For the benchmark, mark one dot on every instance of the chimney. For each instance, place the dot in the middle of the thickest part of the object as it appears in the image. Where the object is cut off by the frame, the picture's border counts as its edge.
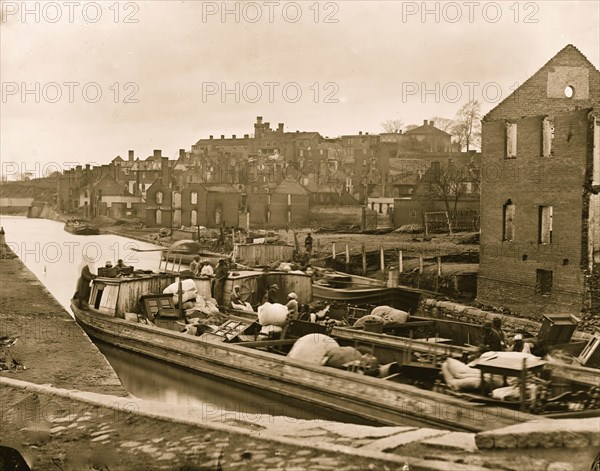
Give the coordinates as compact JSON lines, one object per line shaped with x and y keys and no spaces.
{"x":222,"y":136}
{"x":280,"y":127}
{"x":360,"y":133}
{"x":366,"y":134}
{"x":424,"y":122}
{"x":164,"y":170}
{"x":259,"y":120}
{"x":431,"y":123}
{"x":130,"y":158}
{"x":246,"y":136}
{"x":210,"y":137}
{"x":157,"y":153}
{"x":233,"y":136}
{"x":79,"y":167}
{"x":182,"y":153}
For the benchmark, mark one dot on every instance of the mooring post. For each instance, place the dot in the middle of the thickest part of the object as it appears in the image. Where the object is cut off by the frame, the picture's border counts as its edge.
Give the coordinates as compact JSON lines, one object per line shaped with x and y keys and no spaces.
{"x":400,"y":262}
{"x":364,"y":259}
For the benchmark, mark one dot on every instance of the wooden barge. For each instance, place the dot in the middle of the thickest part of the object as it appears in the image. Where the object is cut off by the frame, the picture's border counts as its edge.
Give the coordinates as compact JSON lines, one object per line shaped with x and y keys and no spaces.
{"x":368,"y":399}
{"x":81,"y":227}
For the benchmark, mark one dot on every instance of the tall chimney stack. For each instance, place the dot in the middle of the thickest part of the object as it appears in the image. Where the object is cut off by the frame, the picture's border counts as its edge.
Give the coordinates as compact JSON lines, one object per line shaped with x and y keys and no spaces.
{"x":130,"y":157}
{"x":164,"y":170}
{"x":280,"y":127}
{"x":157,"y":153}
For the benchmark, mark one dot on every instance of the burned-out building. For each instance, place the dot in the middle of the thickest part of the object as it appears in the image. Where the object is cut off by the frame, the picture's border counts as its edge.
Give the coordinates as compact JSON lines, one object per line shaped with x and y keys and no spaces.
{"x":540,"y":207}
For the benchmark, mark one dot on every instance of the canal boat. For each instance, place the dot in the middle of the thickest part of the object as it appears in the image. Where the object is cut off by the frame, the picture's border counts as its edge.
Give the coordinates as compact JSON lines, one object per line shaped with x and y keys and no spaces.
{"x":81,"y":227}
{"x":353,"y":289}
{"x":112,"y":316}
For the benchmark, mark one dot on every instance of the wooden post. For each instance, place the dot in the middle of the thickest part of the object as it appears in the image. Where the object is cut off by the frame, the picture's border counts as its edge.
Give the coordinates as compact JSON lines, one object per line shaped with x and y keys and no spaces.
{"x":400,"y":262}
{"x":333,"y":250}
{"x":439,"y":273}
{"x":382,"y":262}
{"x":364,"y":259}
{"x":420,"y":264}
{"x":347,"y":258}
{"x":248,"y":222}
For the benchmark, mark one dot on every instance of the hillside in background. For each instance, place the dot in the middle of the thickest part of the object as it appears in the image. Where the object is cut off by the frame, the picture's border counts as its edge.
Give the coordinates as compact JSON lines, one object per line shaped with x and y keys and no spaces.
{"x":41,"y":189}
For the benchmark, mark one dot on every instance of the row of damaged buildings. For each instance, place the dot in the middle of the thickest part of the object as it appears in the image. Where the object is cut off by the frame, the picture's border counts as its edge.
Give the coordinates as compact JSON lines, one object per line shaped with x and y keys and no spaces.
{"x":275,"y":178}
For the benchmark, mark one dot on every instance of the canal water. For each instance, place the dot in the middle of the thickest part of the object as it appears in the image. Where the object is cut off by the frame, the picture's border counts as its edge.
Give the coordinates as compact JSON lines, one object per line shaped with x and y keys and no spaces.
{"x":53,"y":255}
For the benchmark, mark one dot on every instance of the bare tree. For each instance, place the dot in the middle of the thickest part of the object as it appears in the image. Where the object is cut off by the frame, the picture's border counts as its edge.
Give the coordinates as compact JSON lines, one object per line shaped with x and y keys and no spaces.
{"x":392,"y":125}
{"x":410,"y":127}
{"x":446,"y":182}
{"x":444,"y":124}
{"x":467,"y":128}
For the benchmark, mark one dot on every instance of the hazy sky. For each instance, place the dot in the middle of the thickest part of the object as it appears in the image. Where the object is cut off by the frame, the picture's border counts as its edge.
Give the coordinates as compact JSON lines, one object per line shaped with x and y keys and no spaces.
{"x":161,"y":68}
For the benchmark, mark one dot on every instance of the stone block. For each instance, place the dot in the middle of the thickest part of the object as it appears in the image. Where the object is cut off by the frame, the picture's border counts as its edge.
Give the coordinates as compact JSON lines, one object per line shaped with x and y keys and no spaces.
{"x":484,"y":441}
{"x":574,"y":439}
{"x":507,"y":440}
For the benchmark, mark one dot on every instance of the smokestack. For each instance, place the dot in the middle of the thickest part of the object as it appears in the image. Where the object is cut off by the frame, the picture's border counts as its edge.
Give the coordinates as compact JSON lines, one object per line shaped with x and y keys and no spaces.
{"x":130,"y":157}
{"x":164,"y":168}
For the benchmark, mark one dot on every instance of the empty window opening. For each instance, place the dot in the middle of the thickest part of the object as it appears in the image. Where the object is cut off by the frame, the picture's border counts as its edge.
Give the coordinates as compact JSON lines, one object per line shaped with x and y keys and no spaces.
{"x":511,"y":141}
{"x":547,"y":137}
{"x":524,"y":258}
{"x":543,"y":284}
{"x":565,"y":262}
{"x":545,"y":225}
{"x":508,"y":218}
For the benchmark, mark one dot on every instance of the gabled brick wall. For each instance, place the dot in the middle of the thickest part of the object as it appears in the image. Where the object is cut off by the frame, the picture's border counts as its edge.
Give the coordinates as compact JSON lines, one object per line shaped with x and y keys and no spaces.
{"x":508,"y":269}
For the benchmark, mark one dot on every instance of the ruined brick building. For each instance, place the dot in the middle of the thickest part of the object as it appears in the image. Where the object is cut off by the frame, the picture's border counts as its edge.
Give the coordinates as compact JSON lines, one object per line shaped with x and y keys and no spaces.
{"x":540,"y":203}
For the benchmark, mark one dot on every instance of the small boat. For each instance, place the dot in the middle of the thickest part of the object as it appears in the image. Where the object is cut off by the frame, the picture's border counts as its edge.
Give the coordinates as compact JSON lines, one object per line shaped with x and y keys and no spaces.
{"x":353,"y":289}
{"x":81,"y":227}
{"x":183,"y":252}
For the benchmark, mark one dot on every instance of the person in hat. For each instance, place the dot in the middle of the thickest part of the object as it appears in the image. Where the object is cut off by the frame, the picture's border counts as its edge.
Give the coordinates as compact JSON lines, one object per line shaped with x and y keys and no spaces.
{"x":491,"y":339}
{"x":497,"y":326}
{"x":308,"y":244}
{"x":271,"y":294}
{"x":292,"y":306}
{"x":221,"y":275}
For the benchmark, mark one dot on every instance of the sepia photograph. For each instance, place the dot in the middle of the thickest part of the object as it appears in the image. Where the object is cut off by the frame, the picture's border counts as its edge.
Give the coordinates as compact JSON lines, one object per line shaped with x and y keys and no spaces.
{"x":312,"y":235}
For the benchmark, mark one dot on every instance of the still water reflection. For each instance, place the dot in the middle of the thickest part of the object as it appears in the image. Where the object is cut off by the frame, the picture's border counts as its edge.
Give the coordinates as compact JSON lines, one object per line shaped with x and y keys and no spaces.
{"x":53,"y":254}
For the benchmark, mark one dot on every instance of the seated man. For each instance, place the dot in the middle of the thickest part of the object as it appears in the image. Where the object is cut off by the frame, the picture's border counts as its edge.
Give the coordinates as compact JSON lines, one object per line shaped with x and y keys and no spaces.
{"x":292,"y":306}
{"x":195,"y":265}
{"x":236,"y":301}
{"x":491,"y":339}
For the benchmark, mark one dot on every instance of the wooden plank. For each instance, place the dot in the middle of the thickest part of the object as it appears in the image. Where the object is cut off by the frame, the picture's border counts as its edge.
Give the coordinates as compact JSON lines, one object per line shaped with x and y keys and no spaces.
{"x":269,"y":343}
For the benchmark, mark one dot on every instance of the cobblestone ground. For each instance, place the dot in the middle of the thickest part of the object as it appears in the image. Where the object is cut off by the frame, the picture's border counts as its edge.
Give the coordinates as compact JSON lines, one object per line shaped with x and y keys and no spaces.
{"x":56,"y":433}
